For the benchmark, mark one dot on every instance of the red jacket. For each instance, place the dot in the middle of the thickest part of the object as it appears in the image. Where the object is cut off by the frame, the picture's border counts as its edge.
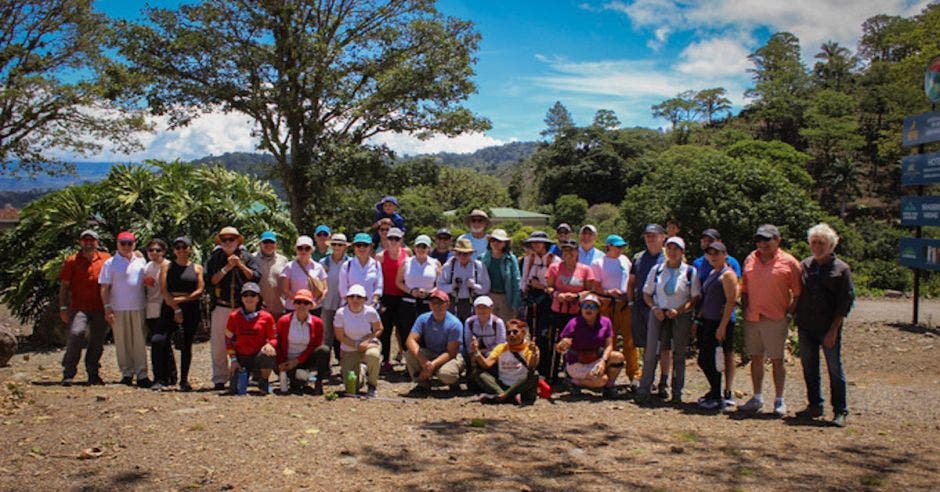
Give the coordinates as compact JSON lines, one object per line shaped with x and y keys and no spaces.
{"x":283,"y":331}
{"x":244,"y":337}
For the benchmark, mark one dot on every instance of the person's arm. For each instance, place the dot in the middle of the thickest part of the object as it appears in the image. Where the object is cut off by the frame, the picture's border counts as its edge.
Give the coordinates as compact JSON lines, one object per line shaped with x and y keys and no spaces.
{"x":412,"y":345}
{"x":605,"y":357}
{"x":164,"y":290}
{"x":796,"y":286}
{"x":729,"y":284}
{"x":844,"y":299}
{"x":216,"y":278}
{"x":534,"y":355}
{"x":251,"y":269}
{"x":446,"y":283}
{"x":269,"y":334}
{"x":200,"y":285}
{"x":105,"y":291}
{"x":379,"y":283}
{"x":488,"y":361}
{"x":64,"y":290}
{"x":483,"y":275}
{"x":451,"y":353}
{"x":283,"y":283}
{"x":230,"y":329}
{"x":400,"y":279}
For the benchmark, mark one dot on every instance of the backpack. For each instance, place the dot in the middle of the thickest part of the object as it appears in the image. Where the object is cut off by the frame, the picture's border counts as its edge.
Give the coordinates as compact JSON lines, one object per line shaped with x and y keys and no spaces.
{"x":688,"y":276}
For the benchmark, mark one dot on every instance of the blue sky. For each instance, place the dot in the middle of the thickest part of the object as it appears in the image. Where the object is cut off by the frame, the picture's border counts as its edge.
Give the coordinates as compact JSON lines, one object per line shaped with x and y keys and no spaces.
{"x":610,"y":54}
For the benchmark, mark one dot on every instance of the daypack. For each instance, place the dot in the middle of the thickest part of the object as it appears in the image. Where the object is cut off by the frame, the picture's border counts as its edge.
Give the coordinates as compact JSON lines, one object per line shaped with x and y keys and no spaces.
{"x":688,"y":277}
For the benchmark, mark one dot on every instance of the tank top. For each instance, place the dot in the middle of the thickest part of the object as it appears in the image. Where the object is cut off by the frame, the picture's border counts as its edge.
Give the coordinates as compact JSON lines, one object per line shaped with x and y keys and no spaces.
{"x":181,"y":278}
{"x":390,"y":271}
{"x":713,"y":295}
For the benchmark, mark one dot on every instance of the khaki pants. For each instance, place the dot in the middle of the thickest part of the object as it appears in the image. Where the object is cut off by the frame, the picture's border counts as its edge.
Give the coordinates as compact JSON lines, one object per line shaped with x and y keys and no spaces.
{"x":449,"y":373}
{"x":217,"y":344}
{"x":129,"y":343}
{"x":372,"y":358}
{"x":501,"y":307}
{"x":621,"y":316}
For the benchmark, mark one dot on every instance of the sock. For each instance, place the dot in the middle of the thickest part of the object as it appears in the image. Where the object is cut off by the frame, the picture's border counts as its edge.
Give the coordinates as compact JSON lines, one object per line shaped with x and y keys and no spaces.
{"x":759,"y":396}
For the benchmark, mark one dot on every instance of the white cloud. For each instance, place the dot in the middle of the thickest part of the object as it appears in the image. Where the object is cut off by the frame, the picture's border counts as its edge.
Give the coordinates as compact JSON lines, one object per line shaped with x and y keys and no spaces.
{"x":410,"y":145}
{"x":714,"y":57}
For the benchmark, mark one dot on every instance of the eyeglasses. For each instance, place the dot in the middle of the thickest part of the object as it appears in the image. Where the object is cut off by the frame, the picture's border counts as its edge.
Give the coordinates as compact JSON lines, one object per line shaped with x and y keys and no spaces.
{"x":154,"y":250}
{"x":249,"y":294}
{"x":322,"y":234}
{"x":477,"y":219}
{"x":514,"y":331}
{"x":304,"y":248}
{"x":463,"y":254}
{"x":126,"y":243}
{"x":228,"y":239}
{"x":761,"y":239}
{"x":384,"y":229}
{"x":301,"y":302}
{"x":589,"y":306}
{"x":268,"y":241}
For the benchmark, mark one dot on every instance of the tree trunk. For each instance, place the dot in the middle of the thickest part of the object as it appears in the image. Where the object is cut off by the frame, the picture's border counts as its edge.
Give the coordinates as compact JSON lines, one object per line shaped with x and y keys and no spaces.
{"x":8,"y":346}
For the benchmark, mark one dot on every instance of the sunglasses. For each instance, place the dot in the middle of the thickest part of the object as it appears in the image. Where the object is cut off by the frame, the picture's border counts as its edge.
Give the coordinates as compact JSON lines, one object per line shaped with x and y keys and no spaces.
{"x":304,"y":248}
{"x":514,"y":331}
{"x":228,"y":239}
{"x":178,"y":247}
{"x":354,"y":297}
{"x":126,"y":243}
{"x":268,"y":241}
{"x":302,"y":303}
{"x":589,"y":306}
{"x":322,"y":234}
{"x":361,"y":245}
{"x":154,"y":250}
{"x":249,"y":294}
{"x":477,"y":220}
{"x":394,"y":239}
{"x":761,"y":239}
{"x":464,"y":254}
{"x":383,"y":230}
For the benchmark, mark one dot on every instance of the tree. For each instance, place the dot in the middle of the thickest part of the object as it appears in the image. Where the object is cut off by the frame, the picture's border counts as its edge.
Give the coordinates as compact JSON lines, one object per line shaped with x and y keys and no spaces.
{"x":833,"y":135}
{"x":51,"y":95}
{"x":834,"y":70}
{"x":557,"y":121}
{"x":317,"y":78}
{"x":780,"y":88}
{"x":680,"y":112}
{"x":710,"y":102}
{"x":789,"y":161}
{"x":570,"y":209}
{"x":606,"y":119}
{"x":157,"y":199}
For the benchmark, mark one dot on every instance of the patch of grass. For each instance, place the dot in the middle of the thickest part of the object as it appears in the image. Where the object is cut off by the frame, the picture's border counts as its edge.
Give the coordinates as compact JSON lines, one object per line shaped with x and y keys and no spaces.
{"x":198,"y":426}
{"x":872,"y":481}
{"x":743,"y":471}
{"x":689,"y":436}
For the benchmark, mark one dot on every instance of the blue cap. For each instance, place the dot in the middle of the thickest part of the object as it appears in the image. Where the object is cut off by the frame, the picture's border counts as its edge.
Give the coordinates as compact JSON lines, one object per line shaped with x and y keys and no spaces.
{"x":615,"y":240}
{"x":389,"y":199}
{"x":268,"y":236}
{"x":362,"y":238}
{"x":322,"y":228}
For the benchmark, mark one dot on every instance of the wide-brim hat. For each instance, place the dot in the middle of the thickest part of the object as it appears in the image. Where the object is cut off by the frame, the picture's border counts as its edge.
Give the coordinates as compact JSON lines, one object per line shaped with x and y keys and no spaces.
{"x":229,"y":231}
{"x":538,"y":237}
{"x":464,"y":246}
{"x":339,"y":239}
{"x":500,"y":235}
{"x":476,"y":213}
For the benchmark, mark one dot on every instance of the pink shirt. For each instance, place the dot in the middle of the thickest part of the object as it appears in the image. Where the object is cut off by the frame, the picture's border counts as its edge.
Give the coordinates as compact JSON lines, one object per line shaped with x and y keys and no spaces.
{"x":566,"y":280}
{"x":769,"y":286}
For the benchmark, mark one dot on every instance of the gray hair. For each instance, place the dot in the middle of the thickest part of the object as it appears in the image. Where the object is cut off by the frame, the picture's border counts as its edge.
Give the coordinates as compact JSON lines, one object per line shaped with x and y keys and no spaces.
{"x":823,"y":230}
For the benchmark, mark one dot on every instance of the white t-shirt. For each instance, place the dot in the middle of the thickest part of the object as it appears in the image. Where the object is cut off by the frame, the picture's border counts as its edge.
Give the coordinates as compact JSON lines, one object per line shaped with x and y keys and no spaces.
{"x":612,"y":273}
{"x":418,"y":276}
{"x":357,"y":326}
{"x":298,"y":276}
{"x":298,"y":337}
{"x":126,"y":278}
{"x":154,"y":296}
{"x":685,"y":287}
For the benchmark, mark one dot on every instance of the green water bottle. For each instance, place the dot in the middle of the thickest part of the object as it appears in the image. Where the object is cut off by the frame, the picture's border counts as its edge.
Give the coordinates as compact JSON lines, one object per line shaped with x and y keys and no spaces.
{"x":352,"y":381}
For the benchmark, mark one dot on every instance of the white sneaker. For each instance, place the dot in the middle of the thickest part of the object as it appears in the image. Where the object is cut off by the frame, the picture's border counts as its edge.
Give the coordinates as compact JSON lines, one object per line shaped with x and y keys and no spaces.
{"x":780,"y":408}
{"x":753,"y":405}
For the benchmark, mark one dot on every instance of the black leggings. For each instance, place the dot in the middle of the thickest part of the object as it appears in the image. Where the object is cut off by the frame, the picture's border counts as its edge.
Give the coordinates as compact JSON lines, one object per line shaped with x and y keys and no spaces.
{"x":161,"y":352}
{"x":707,"y":343}
{"x":391,"y":315}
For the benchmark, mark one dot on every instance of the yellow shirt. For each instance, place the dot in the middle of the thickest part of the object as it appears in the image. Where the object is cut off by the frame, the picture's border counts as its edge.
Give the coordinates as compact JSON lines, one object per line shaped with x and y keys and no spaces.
{"x":511,"y":370}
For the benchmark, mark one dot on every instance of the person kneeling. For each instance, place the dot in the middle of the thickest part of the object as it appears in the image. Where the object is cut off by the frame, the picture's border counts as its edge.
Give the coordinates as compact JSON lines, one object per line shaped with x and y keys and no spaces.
{"x":587,"y":343}
{"x":517,"y":362}
{"x":435,"y":346}
{"x":358,"y":327}
{"x":250,"y":340}
{"x":300,"y":347}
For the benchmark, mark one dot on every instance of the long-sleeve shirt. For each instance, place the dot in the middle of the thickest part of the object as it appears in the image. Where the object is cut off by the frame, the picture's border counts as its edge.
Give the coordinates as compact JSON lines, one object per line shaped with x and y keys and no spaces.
{"x":228,"y":290}
{"x":333,"y":269}
{"x":246,"y":334}
{"x":290,"y":321}
{"x":456,"y":279}
{"x":369,"y":276}
{"x":828,"y":291}
{"x":536,"y":267}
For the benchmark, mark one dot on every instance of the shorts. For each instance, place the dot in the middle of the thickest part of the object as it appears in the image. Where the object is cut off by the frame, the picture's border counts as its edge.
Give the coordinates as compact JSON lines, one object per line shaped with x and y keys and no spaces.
{"x":766,"y":337}
{"x":579,"y":370}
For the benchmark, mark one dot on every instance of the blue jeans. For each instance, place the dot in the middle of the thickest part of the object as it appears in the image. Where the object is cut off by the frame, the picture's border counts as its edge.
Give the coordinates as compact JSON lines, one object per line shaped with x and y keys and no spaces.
{"x":810,"y":343}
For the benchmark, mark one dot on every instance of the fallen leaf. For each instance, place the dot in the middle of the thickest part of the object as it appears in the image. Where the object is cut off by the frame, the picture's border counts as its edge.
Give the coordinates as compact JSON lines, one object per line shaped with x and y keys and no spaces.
{"x":312,"y":431}
{"x":91,"y":453}
{"x":288,"y":472}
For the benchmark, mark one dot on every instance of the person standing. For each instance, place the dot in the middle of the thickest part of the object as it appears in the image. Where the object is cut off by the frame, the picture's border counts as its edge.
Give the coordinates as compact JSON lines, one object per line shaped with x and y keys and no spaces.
{"x":182,"y":284}
{"x":827,"y":297}
{"x":562,"y":233}
{"x":391,"y":260}
{"x":719,"y":297}
{"x":417,"y":278}
{"x":272,"y":263}
{"x":502,"y":268}
{"x":654,"y":237}
{"x":321,"y":238}
{"x":122,"y":292}
{"x":534,"y":286}
{"x":304,"y":273}
{"x":334,"y":265}
{"x":478,"y":222}
{"x":612,"y":275}
{"x":442,"y":251}
{"x":587,"y":253}
{"x":156,"y":253}
{"x":228,"y":267}
{"x":770,"y":290}
{"x":464,"y":278}
{"x":81,"y":309}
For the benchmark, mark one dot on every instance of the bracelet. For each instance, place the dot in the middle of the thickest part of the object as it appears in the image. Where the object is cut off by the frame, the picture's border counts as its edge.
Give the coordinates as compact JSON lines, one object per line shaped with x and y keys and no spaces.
{"x":224,"y":271}
{"x":63,"y":308}
{"x":107,"y":306}
{"x":177,"y":311}
{"x":233,"y":359}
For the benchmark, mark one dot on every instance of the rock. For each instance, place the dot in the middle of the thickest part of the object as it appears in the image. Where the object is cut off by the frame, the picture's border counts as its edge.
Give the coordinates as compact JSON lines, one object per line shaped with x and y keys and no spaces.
{"x":677,"y":449}
{"x":8,"y":346}
{"x":894,"y":294}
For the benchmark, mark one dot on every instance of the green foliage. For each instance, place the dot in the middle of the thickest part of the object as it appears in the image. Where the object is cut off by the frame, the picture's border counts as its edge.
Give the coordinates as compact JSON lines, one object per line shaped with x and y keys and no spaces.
{"x":781,"y":85}
{"x":570,"y":209}
{"x":607,"y":218}
{"x":791,"y":162}
{"x":159,"y":199}
{"x":877,"y":274}
{"x":704,"y":187}
{"x":606,"y":119}
{"x":557,"y":121}
{"x":465,"y":189}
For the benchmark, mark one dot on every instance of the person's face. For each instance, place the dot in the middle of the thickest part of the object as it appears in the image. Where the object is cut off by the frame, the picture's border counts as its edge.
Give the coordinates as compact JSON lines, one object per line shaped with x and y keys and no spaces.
{"x":322,"y":239}
{"x":383,"y":231}
{"x":564,"y":235}
{"x":515,"y":335}
{"x":421,"y":251}
{"x":388,"y":208}
{"x":589,"y":310}
{"x":483,"y":312}
{"x":439,"y":308}
{"x":673,"y":252}
{"x":229,"y":243}
{"x":672,"y":229}
{"x":356,"y":302}
{"x":464,"y":258}
{"x":716,"y":258}
{"x":88,"y":244}
{"x":443,"y":242}
{"x":497,"y":245}
{"x":302,"y":307}
{"x":339,"y":250}
{"x":477,"y":224}
{"x":250,"y":300}
{"x":819,"y":246}
{"x":614,"y":251}
{"x":155,"y":253}
{"x":538,"y":248}
{"x":303,"y":252}
{"x":767,"y":246}
{"x":268,"y":247}
{"x":653,"y":240}
{"x":126,"y":247}
{"x":181,"y":250}
{"x":704,"y":242}
{"x":569,"y":254}
{"x":362,"y":249}
{"x":588,"y":237}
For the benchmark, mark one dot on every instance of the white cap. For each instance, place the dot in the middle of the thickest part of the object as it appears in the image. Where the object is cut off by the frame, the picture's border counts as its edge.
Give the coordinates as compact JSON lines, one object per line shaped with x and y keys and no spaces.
{"x":304,"y":241}
{"x":483,"y":301}
{"x":356,"y":290}
{"x":677,"y":241}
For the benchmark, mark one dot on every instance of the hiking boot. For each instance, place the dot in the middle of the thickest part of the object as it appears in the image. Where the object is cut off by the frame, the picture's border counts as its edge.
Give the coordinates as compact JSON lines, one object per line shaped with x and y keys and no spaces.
{"x":420,"y":389}
{"x":127,"y":381}
{"x":264,"y":386}
{"x":370,"y":393}
{"x":662,"y":391}
{"x":610,"y":392}
{"x":810,"y":412}
{"x":95,"y":380}
{"x":218,"y":386}
{"x":780,"y":408}
{"x":156,"y":386}
{"x":67,"y":382}
{"x":387,"y":367}
{"x":318,"y":388}
{"x":840,"y":419}
{"x":489,"y":399}
{"x":185,"y":387}
{"x":642,"y":398}
{"x":676,"y":400}
{"x":755,"y":404}
{"x":144,"y":383}
{"x":709,"y":404}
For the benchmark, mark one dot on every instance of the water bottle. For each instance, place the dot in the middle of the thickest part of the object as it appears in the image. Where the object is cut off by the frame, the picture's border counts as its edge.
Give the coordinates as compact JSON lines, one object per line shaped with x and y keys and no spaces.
{"x":242,"y":386}
{"x":352,"y":383}
{"x":285,"y":386}
{"x":719,"y":359}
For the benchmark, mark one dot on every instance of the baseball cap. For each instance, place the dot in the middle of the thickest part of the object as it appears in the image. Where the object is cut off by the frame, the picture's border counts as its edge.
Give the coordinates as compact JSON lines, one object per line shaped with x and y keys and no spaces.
{"x":654,"y":228}
{"x":439,"y":295}
{"x":677,"y":241}
{"x":768,"y":231}
{"x":712,"y":233}
{"x":362,"y":238}
{"x":615,"y":240}
{"x":126,"y":236}
{"x":268,"y":236}
{"x":589,"y":227}
{"x":483,"y":301}
{"x":303,"y":295}
{"x":717,"y":246}
{"x":443,"y":231}
{"x":568,"y":243}
{"x":88,"y":232}
{"x":303,"y":241}
{"x":563,"y":227}
{"x":183,"y":239}
{"x":423,"y":239}
{"x":356,"y":290}
{"x":251,"y":287}
{"x":339,"y":239}
{"x":395,"y":232}
{"x":322,"y":228}
{"x":591,"y":298}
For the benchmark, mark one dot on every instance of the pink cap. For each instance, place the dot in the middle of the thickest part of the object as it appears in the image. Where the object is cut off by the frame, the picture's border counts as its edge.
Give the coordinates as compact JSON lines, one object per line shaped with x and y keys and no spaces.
{"x":126,"y":236}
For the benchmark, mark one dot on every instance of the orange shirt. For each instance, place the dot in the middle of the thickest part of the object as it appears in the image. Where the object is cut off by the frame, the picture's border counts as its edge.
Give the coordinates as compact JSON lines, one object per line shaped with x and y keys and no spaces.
{"x":82,"y":276}
{"x":769,"y":286}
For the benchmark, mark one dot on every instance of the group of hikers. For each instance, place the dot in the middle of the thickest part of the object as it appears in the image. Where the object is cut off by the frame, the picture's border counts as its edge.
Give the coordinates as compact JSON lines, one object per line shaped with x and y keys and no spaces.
{"x":463,"y":312}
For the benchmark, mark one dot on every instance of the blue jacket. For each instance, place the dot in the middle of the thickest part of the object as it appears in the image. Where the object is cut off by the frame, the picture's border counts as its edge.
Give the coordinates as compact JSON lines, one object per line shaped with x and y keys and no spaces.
{"x":511,"y":276}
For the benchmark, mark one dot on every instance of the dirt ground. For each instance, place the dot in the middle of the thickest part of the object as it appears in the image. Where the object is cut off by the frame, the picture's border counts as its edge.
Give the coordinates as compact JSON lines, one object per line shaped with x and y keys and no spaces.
{"x":116,"y":437}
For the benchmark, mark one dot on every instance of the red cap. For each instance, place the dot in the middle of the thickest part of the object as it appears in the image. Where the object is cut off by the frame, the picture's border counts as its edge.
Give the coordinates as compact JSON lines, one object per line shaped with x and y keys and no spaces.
{"x":440,"y":295}
{"x":303,"y":295}
{"x":126,"y":236}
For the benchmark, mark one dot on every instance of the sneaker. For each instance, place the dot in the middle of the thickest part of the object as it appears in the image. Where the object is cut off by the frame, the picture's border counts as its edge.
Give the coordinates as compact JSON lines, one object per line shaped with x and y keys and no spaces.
{"x":810,"y":412}
{"x":318,"y":388}
{"x":676,"y":400}
{"x":574,"y":390}
{"x":185,"y":387}
{"x":753,"y":405}
{"x":127,"y":381}
{"x":518,"y":399}
{"x":265,"y":387}
{"x":218,"y":386}
{"x":95,"y":380}
{"x":709,"y":404}
{"x":370,"y":393}
{"x":144,"y":383}
{"x":780,"y":408}
{"x":420,"y":390}
{"x":641,"y":398}
{"x":156,"y":386}
{"x":489,"y":399}
{"x":727,"y":402}
{"x":662,"y":391}
{"x":840,"y":419}
{"x":610,"y":392}
{"x":386,"y":367}
{"x":67,"y":382}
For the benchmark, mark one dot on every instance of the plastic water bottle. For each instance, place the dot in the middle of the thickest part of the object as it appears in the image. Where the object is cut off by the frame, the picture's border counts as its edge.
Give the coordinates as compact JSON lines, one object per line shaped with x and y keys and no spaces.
{"x":352,"y":383}
{"x":242,"y":387}
{"x":283,"y":379}
{"x":719,"y":359}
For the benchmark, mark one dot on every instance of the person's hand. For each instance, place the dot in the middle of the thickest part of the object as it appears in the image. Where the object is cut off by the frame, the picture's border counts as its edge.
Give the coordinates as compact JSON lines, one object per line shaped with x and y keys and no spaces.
{"x":421,"y":293}
{"x":830,"y":339}
{"x":364,"y":345}
{"x":64,"y":316}
{"x":564,"y":345}
{"x":290,"y":364}
{"x":659,"y":314}
{"x":177,"y":301}
{"x":474,"y":345}
{"x":268,"y":350}
{"x":536,"y":283}
{"x":233,"y":368}
{"x":672,"y":313}
{"x":109,"y":316}
{"x":472,"y":284}
{"x":533,"y":347}
{"x":614,"y":293}
{"x":599,"y":368}
{"x":234,"y":261}
{"x":150,"y":281}
{"x":720,"y":334}
{"x":426,"y":373}
{"x":178,"y":317}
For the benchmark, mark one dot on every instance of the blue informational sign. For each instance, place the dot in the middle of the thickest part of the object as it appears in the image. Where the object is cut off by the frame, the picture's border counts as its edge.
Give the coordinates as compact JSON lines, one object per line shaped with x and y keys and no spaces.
{"x":920,"y":169}
{"x":920,"y":211}
{"x":923,"y":254}
{"x":921,"y":128}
